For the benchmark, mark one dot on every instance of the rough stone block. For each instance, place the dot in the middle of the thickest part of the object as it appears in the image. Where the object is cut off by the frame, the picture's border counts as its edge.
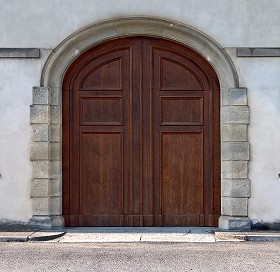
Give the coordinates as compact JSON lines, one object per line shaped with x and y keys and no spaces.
{"x":41,"y":95}
{"x":55,"y":133}
{"x":40,"y":133}
{"x":47,"y":222}
{"x":40,"y":187}
{"x":56,"y":189}
{"x":238,"y":96}
{"x":55,"y":116}
{"x":39,"y":114}
{"x":40,"y":222}
{"x":56,"y":205}
{"x":235,"y":115}
{"x":235,"y":151}
{"x":40,"y":169}
{"x":234,"y":169}
{"x":234,"y":206}
{"x":236,"y":187}
{"x":54,"y":97}
{"x":234,"y":133}
{"x":39,"y":151}
{"x":41,"y":206}
{"x":57,"y":221}
{"x":56,"y":169}
{"x":55,"y":151}
{"x":225,"y":97}
{"x":234,"y":223}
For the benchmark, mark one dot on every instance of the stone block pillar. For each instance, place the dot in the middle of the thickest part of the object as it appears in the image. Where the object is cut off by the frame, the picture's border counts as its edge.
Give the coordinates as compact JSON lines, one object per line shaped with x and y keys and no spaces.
{"x":235,"y":156}
{"x":46,"y":159}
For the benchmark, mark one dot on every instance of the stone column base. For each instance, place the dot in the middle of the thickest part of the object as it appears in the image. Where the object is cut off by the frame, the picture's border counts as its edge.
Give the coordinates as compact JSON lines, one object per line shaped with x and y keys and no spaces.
{"x":47,"y":222}
{"x":234,"y":223}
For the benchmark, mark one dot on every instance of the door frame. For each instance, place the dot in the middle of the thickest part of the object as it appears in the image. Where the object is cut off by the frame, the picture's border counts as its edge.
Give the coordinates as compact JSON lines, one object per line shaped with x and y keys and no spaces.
{"x":46,"y":155}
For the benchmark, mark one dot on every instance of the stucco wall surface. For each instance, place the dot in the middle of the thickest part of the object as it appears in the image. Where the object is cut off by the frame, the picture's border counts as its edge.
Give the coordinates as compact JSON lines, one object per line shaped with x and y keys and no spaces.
{"x":44,"y":23}
{"x":261,"y":77}
{"x":17,"y":77}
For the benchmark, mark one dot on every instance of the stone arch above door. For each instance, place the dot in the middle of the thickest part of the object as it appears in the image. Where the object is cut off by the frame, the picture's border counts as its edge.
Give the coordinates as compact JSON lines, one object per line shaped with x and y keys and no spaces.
{"x":46,"y":116}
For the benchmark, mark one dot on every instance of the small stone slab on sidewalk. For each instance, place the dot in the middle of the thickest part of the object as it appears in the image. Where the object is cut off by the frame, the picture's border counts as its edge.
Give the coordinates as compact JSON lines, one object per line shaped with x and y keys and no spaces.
{"x":252,"y":236}
{"x":29,"y":236}
{"x":15,"y":236}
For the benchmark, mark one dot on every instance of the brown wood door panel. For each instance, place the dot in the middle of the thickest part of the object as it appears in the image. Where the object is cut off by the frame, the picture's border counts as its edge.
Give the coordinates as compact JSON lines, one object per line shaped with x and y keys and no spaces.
{"x":101,"y":173}
{"x":181,"y":173}
{"x":101,"y":111}
{"x":181,"y":110}
{"x":99,"y":101}
{"x":105,"y":75}
{"x":141,"y":136}
{"x":183,"y":220}
{"x":175,"y":76}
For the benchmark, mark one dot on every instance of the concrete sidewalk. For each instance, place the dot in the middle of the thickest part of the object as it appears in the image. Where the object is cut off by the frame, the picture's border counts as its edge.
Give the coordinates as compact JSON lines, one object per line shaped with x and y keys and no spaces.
{"x":139,"y":234}
{"x":29,"y":236}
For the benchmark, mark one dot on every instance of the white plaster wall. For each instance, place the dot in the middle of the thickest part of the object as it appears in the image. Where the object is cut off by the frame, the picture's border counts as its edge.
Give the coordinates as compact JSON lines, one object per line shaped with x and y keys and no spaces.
{"x":262,"y":78}
{"x":16,"y":80}
{"x":44,"y":23}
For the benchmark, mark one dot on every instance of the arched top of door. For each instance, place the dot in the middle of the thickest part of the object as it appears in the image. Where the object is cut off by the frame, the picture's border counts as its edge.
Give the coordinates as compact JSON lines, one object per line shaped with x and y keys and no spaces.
{"x":80,"y":41}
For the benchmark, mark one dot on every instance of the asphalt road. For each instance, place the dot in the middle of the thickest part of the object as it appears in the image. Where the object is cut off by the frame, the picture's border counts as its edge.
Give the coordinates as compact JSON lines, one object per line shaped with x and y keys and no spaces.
{"x":241,"y":256}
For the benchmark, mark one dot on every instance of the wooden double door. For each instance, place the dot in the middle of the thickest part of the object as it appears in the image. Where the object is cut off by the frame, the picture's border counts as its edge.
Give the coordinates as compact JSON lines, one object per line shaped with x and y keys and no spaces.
{"x":141,"y":136}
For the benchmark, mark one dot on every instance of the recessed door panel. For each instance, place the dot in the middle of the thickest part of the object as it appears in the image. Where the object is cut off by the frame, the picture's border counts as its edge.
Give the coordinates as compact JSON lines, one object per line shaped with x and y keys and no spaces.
{"x":182,"y":172}
{"x":106,"y":75}
{"x":177,"y":76}
{"x":101,"y":111}
{"x":101,"y":173}
{"x":182,"y":110}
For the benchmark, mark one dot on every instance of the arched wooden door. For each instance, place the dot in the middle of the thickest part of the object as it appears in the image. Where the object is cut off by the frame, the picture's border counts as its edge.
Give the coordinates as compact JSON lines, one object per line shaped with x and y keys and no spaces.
{"x":141,"y":136}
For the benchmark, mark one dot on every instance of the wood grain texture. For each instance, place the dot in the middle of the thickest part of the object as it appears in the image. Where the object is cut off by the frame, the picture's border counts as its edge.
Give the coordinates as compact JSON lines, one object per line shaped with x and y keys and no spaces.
{"x":141,"y":144}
